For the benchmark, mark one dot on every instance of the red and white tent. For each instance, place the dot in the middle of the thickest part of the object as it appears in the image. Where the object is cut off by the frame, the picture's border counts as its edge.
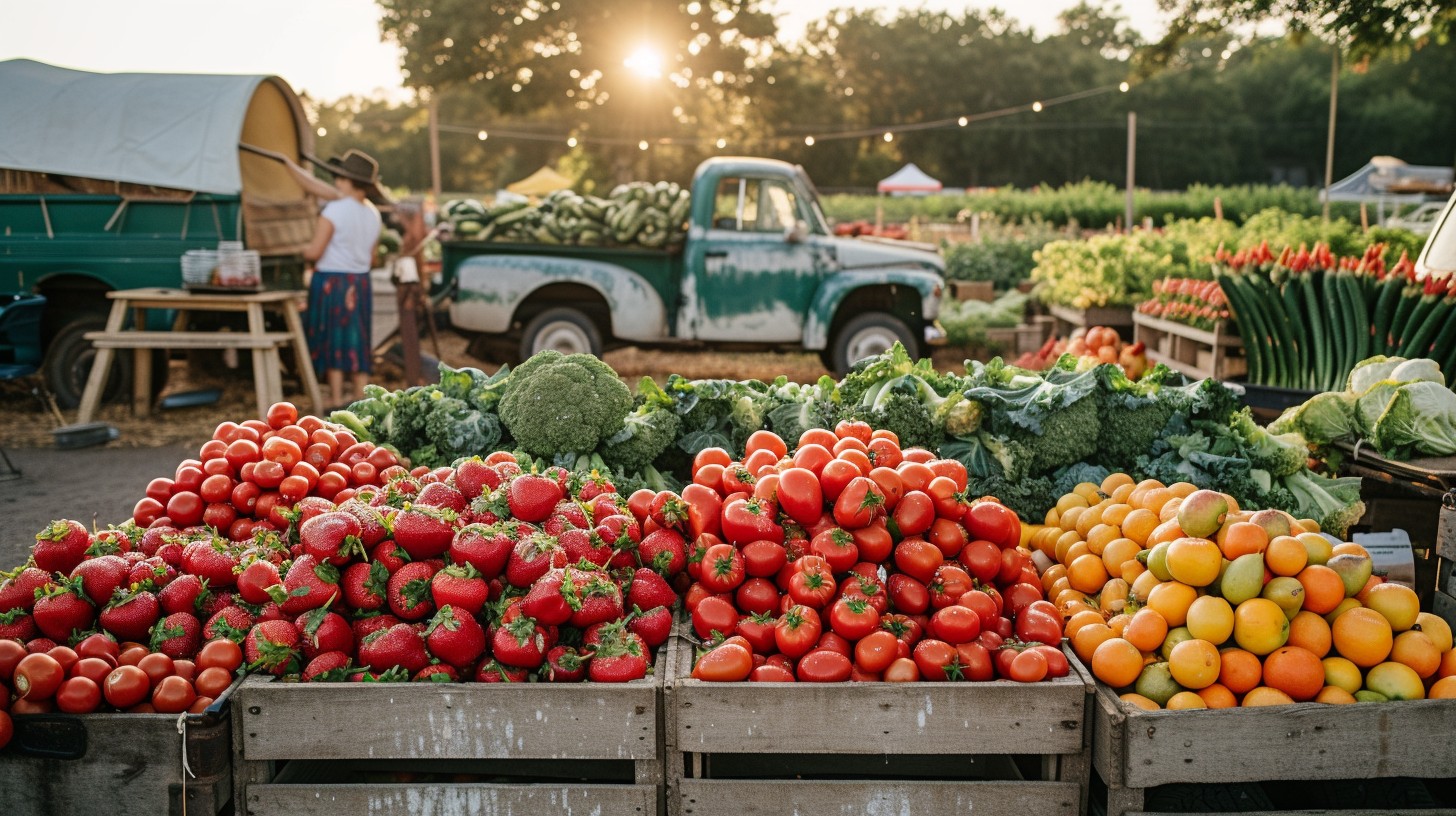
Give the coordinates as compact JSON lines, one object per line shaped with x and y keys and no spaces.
{"x":909,"y":180}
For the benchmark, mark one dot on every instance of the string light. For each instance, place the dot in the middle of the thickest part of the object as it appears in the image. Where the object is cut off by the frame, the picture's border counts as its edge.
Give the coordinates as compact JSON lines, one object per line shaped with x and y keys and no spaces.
{"x":889,"y":137}
{"x":642,"y":145}
{"x":571,"y":142}
{"x":963,"y":121}
{"x":1123,"y":86}
{"x":721,"y":143}
{"x":1036,"y":106}
{"x":482,"y":135}
{"x":809,"y":141}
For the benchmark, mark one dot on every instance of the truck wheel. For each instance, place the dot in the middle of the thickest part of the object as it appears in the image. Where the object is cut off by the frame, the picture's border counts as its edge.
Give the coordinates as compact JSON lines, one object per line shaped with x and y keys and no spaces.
{"x":68,"y":364}
{"x":565,"y":330}
{"x":867,"y":335}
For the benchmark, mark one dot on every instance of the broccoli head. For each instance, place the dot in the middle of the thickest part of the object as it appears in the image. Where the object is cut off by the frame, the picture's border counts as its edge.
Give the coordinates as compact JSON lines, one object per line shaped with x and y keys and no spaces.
{"x":562,"y":404}
{"x":645,"y":433}
{"x":1131,"y":415}
{"x":1056,"y":423}
{"x":457,"y":430}
{"x":795,"y":408}
{"x":1030,"y":498}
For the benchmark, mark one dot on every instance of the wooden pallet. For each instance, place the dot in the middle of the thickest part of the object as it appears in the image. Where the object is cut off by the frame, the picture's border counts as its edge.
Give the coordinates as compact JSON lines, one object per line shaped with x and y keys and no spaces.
{"x":1198,"y":353}
{"x":749,"y":748}
{"x":472,"y":748}
{"x":1135,"y":750}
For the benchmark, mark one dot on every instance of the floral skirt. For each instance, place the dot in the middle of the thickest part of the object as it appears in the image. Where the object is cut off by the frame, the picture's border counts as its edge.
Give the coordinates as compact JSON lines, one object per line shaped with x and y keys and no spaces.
{"x":339,"y":322}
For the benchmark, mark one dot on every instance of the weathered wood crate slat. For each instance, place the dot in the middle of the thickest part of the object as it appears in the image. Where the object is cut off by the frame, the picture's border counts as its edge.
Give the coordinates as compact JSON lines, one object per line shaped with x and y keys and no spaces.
{"x":560,"y":725}
{"x":1198,"y":353}
{"x":1443,"y":600}
{"x":798,"y":727}
{"x":1069,"y":319}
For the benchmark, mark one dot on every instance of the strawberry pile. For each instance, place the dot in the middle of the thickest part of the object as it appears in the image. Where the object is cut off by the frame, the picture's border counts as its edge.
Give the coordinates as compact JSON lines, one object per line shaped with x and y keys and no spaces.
{"x":851,"y":559}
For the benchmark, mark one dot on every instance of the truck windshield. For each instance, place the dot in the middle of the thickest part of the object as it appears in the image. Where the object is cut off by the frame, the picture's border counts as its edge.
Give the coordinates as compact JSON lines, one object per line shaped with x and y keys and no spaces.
{"x":820,"y":224}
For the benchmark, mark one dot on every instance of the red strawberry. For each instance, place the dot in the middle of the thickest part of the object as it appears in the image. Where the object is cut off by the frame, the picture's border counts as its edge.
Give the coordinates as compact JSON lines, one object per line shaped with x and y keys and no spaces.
{"x":620,"y":657}
{"x":532,"y":497}
{"x":485,"y":547}
{"x":664,"y":551}
{"x":269,"y":611}
{"x":17,"y":591}
{"x":16,"y":624}
{"x":437,"y":673}
{"x":650,"y":590}
{"x":185,"y":593}
{"x":152,"y":570}
{"x":213,"y":559}
{"x":399,"y":645}
{"x":210,"y":603}
{"x":441,"y":496}
{"x":323,"y":631}
{"x":329,"y":667}
{"x":372,"y":526}
{"x":409,"y":590}
{"x":171,"y":551}
{"x":521,"y":643}
{"x":113,"y":540}
{"x":366,"y":626}
{"x":311,"y":507}
{"x":569,"y":512}
{"x":272,"y":646}
{"x":454,"y":637}
{"x":231,"y":622}
{"x":532,"y":557}
{"x":61,"y":546}
{"x":553,"y":598}
{"x":580,"y":545}
{"x":593,"y":484}
{"x":622,"y":534}
{"x":653,"y":626}
{"x":308,"y":585}
{"x":365,"y":585}
{"x":493,"y":671}
{"x":607,"y":504}
{"x":62,"y":609}
{"x":391,"y":555}
{"x":474,"y":477}
{"x":564,"y":664}
{"x":460,"y":587}
{"x":178,"y":635}
{"x":154,"y":538}
{"x":601,"y":600}
{"x":259,"y":576}
{"x":40,"y":645}
{"x":424,"y":532}
{"x":131,"y":615}
{"x":489,"y":508}
{"x":331,"y":537}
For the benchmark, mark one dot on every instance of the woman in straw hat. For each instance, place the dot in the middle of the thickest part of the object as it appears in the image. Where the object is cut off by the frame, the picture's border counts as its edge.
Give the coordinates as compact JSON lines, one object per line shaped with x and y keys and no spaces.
{"x":340,"y":303}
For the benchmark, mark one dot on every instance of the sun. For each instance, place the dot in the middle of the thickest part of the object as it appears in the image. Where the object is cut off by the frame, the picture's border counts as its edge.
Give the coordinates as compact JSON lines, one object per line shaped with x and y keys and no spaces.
{"x":645,"y":62}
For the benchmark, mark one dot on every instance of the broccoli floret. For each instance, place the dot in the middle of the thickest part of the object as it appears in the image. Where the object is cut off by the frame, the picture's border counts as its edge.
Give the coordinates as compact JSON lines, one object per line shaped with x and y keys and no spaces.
{"x":1030,"y":498}
{"x":1280,"y":455}
{"x":425,"y":455}
{"x":1334,"y":503}
{"x":646,"y":432}
{"x":909,"y":397}
{"x":1057,"y":423}
{"x":563,"y":404}
{"x":1131,"y":415}
{"x":1000,"y":375}
{"x":474,"y":386}
{"x":795,"y":408}
{"x":458,"y":430}
{"x":898,"y":408}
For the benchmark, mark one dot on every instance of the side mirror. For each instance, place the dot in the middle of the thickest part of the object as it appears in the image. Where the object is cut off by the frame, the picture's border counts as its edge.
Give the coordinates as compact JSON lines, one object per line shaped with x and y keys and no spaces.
{"x":797,"y":233}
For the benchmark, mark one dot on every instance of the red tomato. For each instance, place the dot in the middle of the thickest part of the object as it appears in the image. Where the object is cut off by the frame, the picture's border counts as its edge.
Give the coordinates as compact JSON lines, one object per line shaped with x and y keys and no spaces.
{"x":886,"y":452}
{"x":767,"y":486}
{"x":907,"y":595}
{"x":64,"y":655}
{"x":79,"y":695}
{"x":757,"y":596}
{"x":185,"y":508}
{"x":903,"y":670}
{"x":976,"y":663}
{"x":736,"y":478}
{"x":727,"y":663}
{"x":867,"y":588}
{"x":915,"y":514}
{"x":955,"y":625}
{"x":853,"y":618}
{"x":760,"y":462}
{"x":836,"y":475}
{"x":817,"y":436}
{"x":948,"y":536}
{"x":824,"y":666}
{"x":813,"y":457}
{"x":216,"y":488}
{"x":281,"y":414}
{"x":919,"y":456}
{"x":1020,"y":596}
{"x":1013,"y":562}
{"x":771,"y":673}
{"x":915,"y":475}
{"x":800,"y":496}
{"x":933,"y":658}
{"x":1057,"y":665}
{"x":37,"y":677}
{"x":221,"y":653}
{"x":858,"y":458}
{"x":918,"y":559}
{"x":1028,"y":666}
{"x":797,"y":631}
{"x":984,"y":607}
{"x":189,"y":477}
{"x":892,"y":487}
{"x":982,"y":559}
{"x":836,"y":546}
{"x":93,"y":668}
{"x":758,"y":630}
{"x":876,"y":651}
{"x":766,"y":440}
{"x":994,"y":522}
{"x":285,"y":452}
{"x":860,"y":503}
{"x":711,"y":456}
{"x":763,"y":559}
{"x":874,"y":542}
{"x":950,"y":469}
{"x":714,"y":614}
{"x":363,"y":473}
{"x":7,"y":726}
{"x":160,"y":489}
{"x":294,"y":434}
{"x":746,"y":520}
{"x":812,"y":587}
{"x":173,"y":695}
{"x":1035,"y":626}
{"x":853,"y":429}
{"x":949,"y":584}
{"x":11,"y":652}
{"x":949,"y":501}
{"x":131,"y":655}
{"x":157,"y":666}
{"x":126,"y":686}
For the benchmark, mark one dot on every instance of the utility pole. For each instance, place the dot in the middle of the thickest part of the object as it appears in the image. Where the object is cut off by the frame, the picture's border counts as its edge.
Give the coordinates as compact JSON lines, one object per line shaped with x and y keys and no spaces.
{"x":1131,"y":168}
{"x":1330,"y":142}
{"x":435,"y":144}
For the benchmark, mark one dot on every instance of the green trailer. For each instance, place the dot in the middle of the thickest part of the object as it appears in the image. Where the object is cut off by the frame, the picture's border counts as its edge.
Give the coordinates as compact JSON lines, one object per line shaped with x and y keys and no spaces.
{"x":107,"y":179}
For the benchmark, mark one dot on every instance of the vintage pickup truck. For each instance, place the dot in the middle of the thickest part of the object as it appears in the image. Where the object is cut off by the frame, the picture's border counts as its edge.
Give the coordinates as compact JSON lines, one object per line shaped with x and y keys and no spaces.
{"x":759,"y":269}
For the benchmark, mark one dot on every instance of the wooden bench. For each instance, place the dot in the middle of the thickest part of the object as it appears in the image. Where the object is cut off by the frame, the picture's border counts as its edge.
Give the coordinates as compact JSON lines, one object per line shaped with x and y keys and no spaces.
{"x":187,"y":340}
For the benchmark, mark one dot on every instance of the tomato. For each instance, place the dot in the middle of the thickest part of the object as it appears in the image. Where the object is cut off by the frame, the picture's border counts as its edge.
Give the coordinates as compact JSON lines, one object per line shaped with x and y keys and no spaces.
{"x":800,"y":496}
{"x":918,"y":559}
{"x":936,"y":659}
{"x":189,"y":477}
{"x":762,"y":559}
{"x":836,"y":546}
{"x":903,"y":670}
{"x":976,"y":663}
{"x":695,"y":596}
{"x":37,"y":676}
{"x":853,"y":618}
{"x":79,"y":695}
{"x":955,"y":625}
{"x":994,"y":522}
{"x":914,"y":515}
{"x":737,"y":479}
{"x":714,"y":614}
{"x":705,"y":508}
{"x":126,"y":686}
{"x":362,"y":473}
{"x":767,"y":486}
{"x":1035,"y":626}
{"x":798,"y":631}
{"x":760,"y":462}
{"x":729,"y":663}
{"x":1019,"y":596}
{"x":766,"y":440}
{"x":281,"y":414}
{"x":64,"y":655}
{"x":146,"y":511}
{"x":1057,"y":665}
{"x":758,"y":630}
{"x":866,"y":588}
{"x":892,"y":487}
{"x":982,"y":604}
{"x":823,"y":666}
{"x":160,"y":489}
{"x":746,"y":520}
{"x":711,"y":456}
{"x":811,"y":586}
{"x":221,"y":653}
{"x":837,"y":474}
{"x":132,"y":655}
{"x":185,"y":669}
{"x":886,"y":452}
{"x":722,"y":568}
{"x":757,"y":596}
{"x":859,"y":503}
{"x":853,"y":429}
{"x":767,"y":673}
{"x":7,"y":727}
{"x":157,"y":666}
{"x":915,"y":475}
{"x":949,"y":584}
{"x":173,"y":695}
{"x":874,"y":542}
{"x":982,"y":559}
{"x":217,"y":488}
{"x":185,"y":508}
{"x":950,"y":469}
{"x":1028,"y":666}
{"x":949,"y":502}
{"x":285,"y":452}
{"x":876,"y":651}
{"x":813,"y":457}
{"x":856,"y":457}
{"x":907,"y":595}
{"x":98,"y":645}
{"x":93,"y":668}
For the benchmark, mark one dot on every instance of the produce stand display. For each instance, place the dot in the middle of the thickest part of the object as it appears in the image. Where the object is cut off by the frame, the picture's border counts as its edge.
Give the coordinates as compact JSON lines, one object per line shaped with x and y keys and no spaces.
{"x":317,"y":748}
{"x":741,"y":748}
{"x":1068,"y":319}
{"x":1196,"y":352}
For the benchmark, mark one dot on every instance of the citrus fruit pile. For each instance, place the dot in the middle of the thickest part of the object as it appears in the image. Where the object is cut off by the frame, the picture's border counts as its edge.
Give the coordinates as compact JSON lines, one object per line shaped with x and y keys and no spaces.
{"x":1179,"y":599}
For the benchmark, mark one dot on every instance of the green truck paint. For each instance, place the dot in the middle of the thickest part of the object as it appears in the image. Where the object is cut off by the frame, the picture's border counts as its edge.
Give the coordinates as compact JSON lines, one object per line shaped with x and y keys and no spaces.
{"x":760,"y":268}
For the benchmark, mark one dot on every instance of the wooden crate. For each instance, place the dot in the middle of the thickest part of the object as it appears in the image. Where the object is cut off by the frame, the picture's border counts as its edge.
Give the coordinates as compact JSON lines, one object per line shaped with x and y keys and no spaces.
{"x":972,"y":290}
{"x":1443,"y":599}
{"x":119,"y":764}
{"x":1069,"y":319}
{"x":1199,"y":353}
{"x":751,"y":748}
{"x":487,"y":748}
{"x":1134,"y":750}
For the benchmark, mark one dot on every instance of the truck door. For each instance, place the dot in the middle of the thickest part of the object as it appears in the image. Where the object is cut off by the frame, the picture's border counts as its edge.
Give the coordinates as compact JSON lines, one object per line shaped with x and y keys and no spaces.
{"x":756,"y":268}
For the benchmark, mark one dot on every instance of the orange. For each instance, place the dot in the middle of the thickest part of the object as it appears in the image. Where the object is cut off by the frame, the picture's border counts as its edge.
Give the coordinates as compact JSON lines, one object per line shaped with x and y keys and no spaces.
{"x":1080,"y":619}
{"x":1086,"y":573}
{"x":1069,"y":501}
{"x":1186,"y":701}
{"x":1165,"y":531}
{"x":1218,"y":696}
{"x":1069,"y":517}
{"x":1310,"y":632}
{"x":1062,"y":594}
{"x":1172,"y":601}
{"x":1334,"y":695}
{"x":1316,"y":547}
{"x":1088,"y":491}
{"x":1260,"y":626}
{"x":1146,"y":629}
{"x":1343,"y":674}
{"x":1397,"y":602}
{"x":1242,"y":538}
{"x":1437,"y":629}
{"x":1064,"y":544}
{"x":1117,"y":663}
{"x":1448,"y":664}
{"x":1143,"y":585}
{"x":1051,"y":518}
{"x":1131,"y":569}
{"x":1345,"y":606}
{"x":1100,"y":536}
{"x":1077,"y":550}
{"x":1416,"y":650}
{"x":1194,"y":561}
{"x":1139,"y":524}
{"x":1182,"y":489}
{"x":1363,"y":636}
{"x":1294,"y":671}
{"x":1044,"y":541}
{"x":1088,"y":519}
{"x":1119,"y":623}
{"x":1323,"y":589}
{"x":1113,"y":597}
{"x":1122,"y":494}
{"x":1211,"y":618}
{"x":1443,"y":689}
{"x":1286,"y":555}
{"x":1075,"y":603}
{"x":1115,"y":513}
{"x":1157,"y":497}
{"x":1239,"y":670}
{"x":1195,"y":664}
{"x":1114,"y":481}
{"x":1364,"y":594}
{"x":1233,"y":505}
{"x":1349,"y":548}
{"x":1139,"y":701}
{"x":1265,"y":696}
{"x":1088,"y":638}
{"x":1054,"y":572}
{"x":1170,"y":509}
{"x":1119,"y":551}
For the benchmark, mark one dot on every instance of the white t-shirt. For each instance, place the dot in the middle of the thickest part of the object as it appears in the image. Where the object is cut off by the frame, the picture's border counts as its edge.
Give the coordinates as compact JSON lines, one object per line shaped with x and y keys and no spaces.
{"x":356,"y":228}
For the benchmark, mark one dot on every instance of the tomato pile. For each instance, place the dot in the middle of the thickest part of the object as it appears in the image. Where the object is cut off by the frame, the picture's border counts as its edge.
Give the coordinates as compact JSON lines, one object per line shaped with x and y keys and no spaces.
{"x":851,"y":559}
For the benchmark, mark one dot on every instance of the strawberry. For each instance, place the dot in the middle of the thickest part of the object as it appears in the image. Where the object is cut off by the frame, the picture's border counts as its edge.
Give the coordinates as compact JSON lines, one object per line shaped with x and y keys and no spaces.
{"x":649,"y":590}
{"x":580,"y":545}
{"x":532,"y":497}
{"x":391,"y":555}
{"x":308,"y":584}
{"x":531,"y":558}
{"x":564,"y":664}
{"x":322,"y":631}
{"x":61,"y":608}
{"x":213,"y":559}
{"x":454,"y":637}
{"x":40,"y":645}
{"x":460,"y":587}
{"x":442,"y":497}
{"x":269,"y":611}
{"x":368,"y":625}
{"x":112,"y":541}
{"x":365,"y":585}
{"x":61,"y":546}
{"x":17,"y":624}
{"x":593,"y":484}
{"x":210,"y":603}
{"x":669,"y":510}
{"x":256,"y":579}
{"x":329,"y":667}
{"x":178,"y":635}
{"x":489,"y":508}
{"x":620,"y":657}
{"x":570,"y":513}
{"x":309,"y":508}
{"x":437,"y":673}
{"x":185,"y":594}
{"x":373,"y":528}
{"x":601,"y":600}
{"x":154,"y":537}
{"x":17,"y":591}
{"x":553,"y":598}
{"x":664,"y":551}
{"x":521,"y":643}
{"x":231,"y":622}
{"x":171,"y":551}
{"x":474,"y":477}
{"x":272,"y":646}
{"x":331,"y":537}
{"x":154,"y":571}
{"x":493,"y":671}
{"x":607,"y":504}
{"x":131,"y":615}
{"x":424,"y":532}
{"x":653,"y":626}
{"x":399,"y":645}
{"x":485,"y":547}
{"x":409,"y":590}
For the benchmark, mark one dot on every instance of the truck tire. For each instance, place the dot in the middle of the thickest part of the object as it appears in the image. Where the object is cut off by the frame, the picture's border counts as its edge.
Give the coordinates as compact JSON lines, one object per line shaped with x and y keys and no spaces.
{"x":68,"y":363}
{"x":866,"y":335}
{"x":564,"y":329}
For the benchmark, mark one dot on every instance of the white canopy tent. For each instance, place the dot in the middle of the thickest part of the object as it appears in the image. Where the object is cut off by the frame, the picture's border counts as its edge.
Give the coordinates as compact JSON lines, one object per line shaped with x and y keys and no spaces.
{"x":909,"y":180}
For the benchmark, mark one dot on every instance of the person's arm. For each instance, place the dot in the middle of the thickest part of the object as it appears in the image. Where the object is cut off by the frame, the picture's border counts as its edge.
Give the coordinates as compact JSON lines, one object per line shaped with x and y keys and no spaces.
{"x":312,"y":184}
{"x":321,"y":236}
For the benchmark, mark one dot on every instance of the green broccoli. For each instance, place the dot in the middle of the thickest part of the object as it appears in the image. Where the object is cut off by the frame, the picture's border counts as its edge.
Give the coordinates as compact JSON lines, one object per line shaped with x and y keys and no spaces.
{"x":910,"y":398}
{"x":1029,"y":498}
{"x":1132,"y":414}
{"x":563,"y":404}
{"x":1056,"y":422}
{"x":1280,"y":455}
{"x":714,"y":413}
{"x":795,"y":408}
{"x":646,"y":432}
{"x":474,"y":386}
{"x":458,"y":430}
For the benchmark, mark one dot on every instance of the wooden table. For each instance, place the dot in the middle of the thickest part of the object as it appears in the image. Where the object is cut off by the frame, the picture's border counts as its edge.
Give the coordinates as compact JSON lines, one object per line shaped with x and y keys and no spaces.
{"x":264,"y":345}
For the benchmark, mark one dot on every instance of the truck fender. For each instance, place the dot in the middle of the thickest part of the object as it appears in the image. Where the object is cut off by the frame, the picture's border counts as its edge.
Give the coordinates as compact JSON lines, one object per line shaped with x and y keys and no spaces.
{"x":836,"y":288}
{"x":491,"y":288}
